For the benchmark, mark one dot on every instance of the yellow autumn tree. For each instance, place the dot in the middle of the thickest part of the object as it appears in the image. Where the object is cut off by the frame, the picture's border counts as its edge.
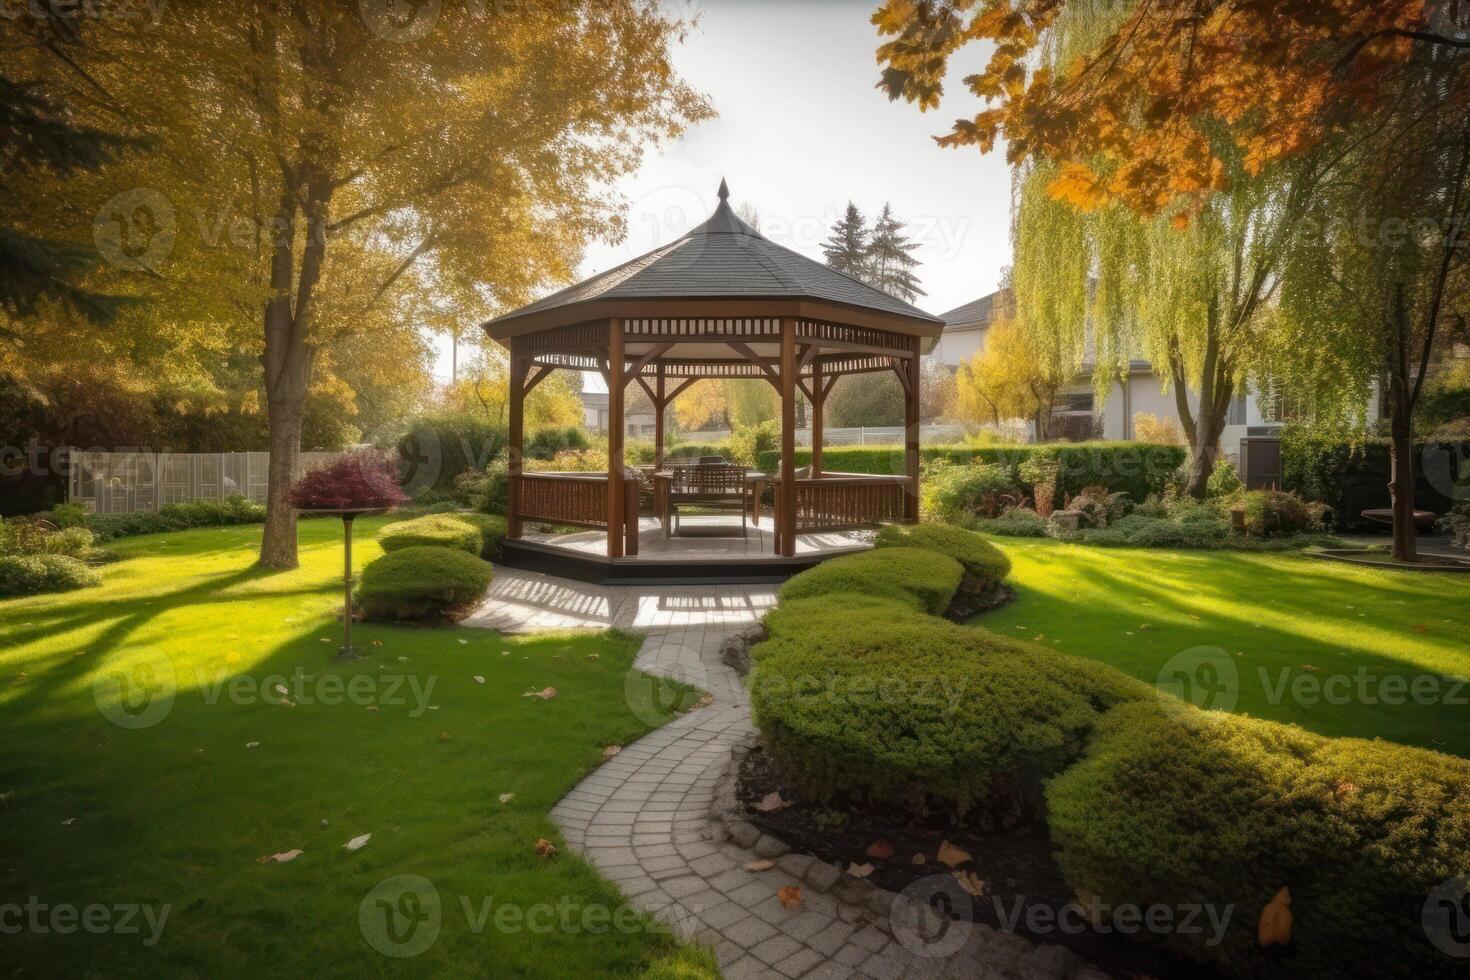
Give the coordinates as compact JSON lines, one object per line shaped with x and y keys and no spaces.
{"x":1011,"y":377}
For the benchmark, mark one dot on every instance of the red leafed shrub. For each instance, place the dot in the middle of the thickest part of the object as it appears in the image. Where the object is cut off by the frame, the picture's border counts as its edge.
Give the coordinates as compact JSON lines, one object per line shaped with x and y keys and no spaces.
{"x":358,"y":481}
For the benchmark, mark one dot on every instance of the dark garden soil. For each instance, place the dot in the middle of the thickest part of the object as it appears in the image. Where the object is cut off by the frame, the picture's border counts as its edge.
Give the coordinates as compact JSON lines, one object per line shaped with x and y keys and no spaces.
{"x":1016,"y":867}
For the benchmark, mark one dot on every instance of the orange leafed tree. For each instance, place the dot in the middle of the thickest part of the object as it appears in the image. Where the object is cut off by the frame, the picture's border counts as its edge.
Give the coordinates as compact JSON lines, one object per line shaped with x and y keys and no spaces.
{"x":1135,"y":118}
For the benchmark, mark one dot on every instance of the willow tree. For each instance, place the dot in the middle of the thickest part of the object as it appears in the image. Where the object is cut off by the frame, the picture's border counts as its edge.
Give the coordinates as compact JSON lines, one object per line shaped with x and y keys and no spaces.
{"x":1383,"y":281}
{"x":331,"y":168}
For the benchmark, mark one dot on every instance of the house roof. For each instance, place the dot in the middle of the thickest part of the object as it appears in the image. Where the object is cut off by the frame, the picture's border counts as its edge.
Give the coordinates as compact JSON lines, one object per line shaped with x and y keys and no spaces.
{"x":724,"y":258}
{"x":976,"y":313}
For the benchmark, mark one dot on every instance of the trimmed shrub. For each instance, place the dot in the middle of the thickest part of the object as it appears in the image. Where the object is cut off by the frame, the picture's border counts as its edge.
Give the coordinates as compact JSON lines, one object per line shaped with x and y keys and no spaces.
{"x":865,"y":702}
{"x":985,"y":565}
{"x":687,"y":449}
{"x":493,"y":530}
{"x":423,"y":583}
{"x":234,"y":509}
{"x":1135,"y":468}
{"x":434,"y":531}
{"x":37,"y":574}
{"x":924,"y":580}
{"x":1361,"y":832}
{"x":439,"y":446}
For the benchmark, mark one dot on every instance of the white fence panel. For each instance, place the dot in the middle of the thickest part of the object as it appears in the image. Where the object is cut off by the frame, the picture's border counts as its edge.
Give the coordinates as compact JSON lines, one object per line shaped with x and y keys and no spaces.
{"x":122,"y":483}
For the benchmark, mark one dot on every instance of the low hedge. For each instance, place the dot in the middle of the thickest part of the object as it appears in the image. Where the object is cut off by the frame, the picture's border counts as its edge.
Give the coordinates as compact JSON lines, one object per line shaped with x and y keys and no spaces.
{"x":418,"y":583}
{"x":22,"y":575}
{"x":923,"y":580}
{"x":1136,"y":468}
{"x":233,"y":510}
{"x":493,"y":530}
{"x":985,"y":565}
{"x":1173,"y":806}
{"x":872,"y":702}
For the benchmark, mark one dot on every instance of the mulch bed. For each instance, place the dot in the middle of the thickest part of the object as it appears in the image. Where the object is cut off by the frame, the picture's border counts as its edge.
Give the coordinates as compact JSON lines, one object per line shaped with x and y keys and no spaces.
{"x":1015,"y":865}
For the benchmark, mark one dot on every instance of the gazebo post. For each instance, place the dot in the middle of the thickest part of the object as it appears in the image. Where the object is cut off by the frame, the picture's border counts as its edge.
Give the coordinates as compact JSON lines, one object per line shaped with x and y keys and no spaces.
{"x":818,"y":400}
{"x":911,"y":425}
{"x":786,"y":509}
{"x":615,"y":427}
{"x":659,"y":404}
{"x":516,"y":438}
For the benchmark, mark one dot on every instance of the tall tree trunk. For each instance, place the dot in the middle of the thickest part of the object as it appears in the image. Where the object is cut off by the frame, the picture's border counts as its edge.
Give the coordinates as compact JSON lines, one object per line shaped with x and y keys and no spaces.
{"x":1217,"y":385}
{"x":1401,"y":436}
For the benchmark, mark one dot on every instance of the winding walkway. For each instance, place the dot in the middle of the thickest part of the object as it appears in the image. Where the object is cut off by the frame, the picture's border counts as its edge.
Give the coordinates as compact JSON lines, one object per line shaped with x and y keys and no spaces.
{"x":644,"y":817}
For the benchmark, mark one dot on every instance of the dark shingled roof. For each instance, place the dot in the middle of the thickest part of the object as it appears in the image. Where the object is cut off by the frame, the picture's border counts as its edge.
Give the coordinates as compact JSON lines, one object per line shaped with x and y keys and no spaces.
{"x":724,"y":258}
{"x":975,"y":312}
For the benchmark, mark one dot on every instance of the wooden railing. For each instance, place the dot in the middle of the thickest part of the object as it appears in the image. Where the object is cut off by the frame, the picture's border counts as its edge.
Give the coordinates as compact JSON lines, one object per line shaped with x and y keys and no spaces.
{"x":574,"y":500}
{"x":839,"y":501}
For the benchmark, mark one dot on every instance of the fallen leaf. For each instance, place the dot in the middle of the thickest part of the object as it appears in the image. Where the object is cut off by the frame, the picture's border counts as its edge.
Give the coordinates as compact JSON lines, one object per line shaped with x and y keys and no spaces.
{"x":68,"y":821}
{"x":287,"y":703}
{"x":356,"y":844}
{"x":611,"y":751}
{"x":545,"y":694}
{"x":772,"y":803}
{"x":377,"y":643}
{"x":953,"y":856}
{"x":591,"y":656}
{"x":1309,"y":667}
{"x":920,"y":859}
{"x":545,"y":848}
{"x":372,"y":707}
{"x":464,"y":642}
{"x":860,"y":870}
{"x":444,"y":736}
{"x":789,"y":896}
{"x":880,"y":849}
{"x":760,"y":864}
{"x":1275,"y":925}
{"x":507,"y":797}
{"x":251,"y":745}
{"x":280,"y":858}
{"x":505,"y":653}
{"x":280,"y":689}
{"x":970,"y":882}
{"x":1344,"y":788}
{"x":478,"y":679}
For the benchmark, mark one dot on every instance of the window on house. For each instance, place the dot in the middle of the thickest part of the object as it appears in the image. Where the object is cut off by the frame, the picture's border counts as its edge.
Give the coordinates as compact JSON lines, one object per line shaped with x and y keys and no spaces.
{"x":1280,"y":406}
{"x":1076,"y":401}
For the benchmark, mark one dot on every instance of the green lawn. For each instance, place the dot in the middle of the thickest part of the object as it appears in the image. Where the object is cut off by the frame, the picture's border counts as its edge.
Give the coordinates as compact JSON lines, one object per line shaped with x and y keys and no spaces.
{"x":1325,"y":646}
{"x":94,"y":813}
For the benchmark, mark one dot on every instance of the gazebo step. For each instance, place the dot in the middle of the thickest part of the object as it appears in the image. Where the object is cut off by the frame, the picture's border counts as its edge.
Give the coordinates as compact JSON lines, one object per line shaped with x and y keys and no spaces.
{"x":654,"y":570}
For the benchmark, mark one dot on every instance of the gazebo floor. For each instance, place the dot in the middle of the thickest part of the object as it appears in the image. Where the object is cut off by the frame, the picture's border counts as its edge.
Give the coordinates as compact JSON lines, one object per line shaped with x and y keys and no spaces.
{"x":709,"y":550}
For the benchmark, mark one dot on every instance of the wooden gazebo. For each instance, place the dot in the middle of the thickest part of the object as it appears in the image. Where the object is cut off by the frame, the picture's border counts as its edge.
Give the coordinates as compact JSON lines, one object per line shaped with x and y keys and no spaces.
{"x":720,"y":302}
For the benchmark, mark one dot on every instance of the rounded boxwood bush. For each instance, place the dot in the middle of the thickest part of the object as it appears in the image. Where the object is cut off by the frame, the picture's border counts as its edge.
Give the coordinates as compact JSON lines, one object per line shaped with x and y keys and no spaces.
{"x":492,"y":528}
{"x":1175,"y":806}
{"x":434,"y":531}
{"x":38,"y":574}
{"x":986,"y":566}
{"x":865,"y":699}
{"x":423,"y":583}
{"x":924,"y":580}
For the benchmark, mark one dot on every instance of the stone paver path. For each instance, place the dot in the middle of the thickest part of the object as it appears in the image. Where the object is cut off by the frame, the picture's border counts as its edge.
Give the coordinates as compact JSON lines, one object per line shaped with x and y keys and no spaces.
{"x":643,"y":818}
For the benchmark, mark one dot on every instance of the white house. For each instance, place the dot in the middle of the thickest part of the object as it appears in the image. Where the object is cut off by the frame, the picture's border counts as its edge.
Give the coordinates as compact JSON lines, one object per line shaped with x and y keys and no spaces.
{"x":1143,"y":392}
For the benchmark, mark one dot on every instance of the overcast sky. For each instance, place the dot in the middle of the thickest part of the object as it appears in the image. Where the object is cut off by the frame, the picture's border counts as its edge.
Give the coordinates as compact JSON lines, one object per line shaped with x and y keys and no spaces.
{"x":801,"y":129}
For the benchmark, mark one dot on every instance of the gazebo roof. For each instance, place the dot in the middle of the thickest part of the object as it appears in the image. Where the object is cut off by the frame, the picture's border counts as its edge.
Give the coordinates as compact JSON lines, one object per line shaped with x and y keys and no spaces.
{"x":722,"y":259}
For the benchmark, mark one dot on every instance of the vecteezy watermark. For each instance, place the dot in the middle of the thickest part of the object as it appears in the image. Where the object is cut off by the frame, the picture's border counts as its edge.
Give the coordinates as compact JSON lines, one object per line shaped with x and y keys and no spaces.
{"x":141,"y":689}
{"x":64,"y":919}
{"x":933,"y":916}
{"x":149,"y":13}
{"x":657,"y":699}
{"x":1124,"y":918}
{"x":1362,"y":687}
{"x":402,"y":916}
{"x":400,"y":21}
{"x":135,"y":230}
{"x":1204,"y":676}
{"x":138,"y":690}
{"x":1446,"y":917}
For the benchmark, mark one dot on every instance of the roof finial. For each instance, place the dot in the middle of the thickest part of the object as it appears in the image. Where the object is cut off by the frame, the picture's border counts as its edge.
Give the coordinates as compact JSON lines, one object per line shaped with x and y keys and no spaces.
{"x":724,"y":190}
